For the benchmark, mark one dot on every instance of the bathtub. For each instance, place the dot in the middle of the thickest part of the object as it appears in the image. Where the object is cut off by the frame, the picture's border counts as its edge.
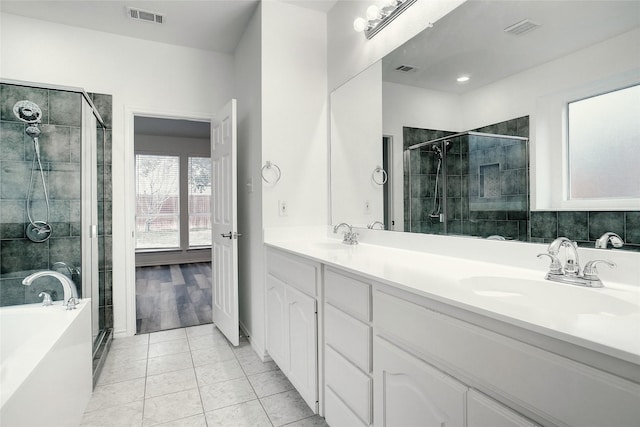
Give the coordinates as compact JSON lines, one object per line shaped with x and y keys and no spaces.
{"x":45,"y":364}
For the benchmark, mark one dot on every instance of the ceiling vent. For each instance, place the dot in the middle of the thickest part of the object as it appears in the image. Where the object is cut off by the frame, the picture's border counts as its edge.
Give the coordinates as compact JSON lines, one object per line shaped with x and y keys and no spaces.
{"x":406,"y":68}
{"x":144,"y":15}
{"x":521,"y":27}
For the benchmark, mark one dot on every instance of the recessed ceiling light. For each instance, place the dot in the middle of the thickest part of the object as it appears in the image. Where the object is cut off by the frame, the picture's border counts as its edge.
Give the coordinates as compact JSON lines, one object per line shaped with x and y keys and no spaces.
{"x":462,"y":79}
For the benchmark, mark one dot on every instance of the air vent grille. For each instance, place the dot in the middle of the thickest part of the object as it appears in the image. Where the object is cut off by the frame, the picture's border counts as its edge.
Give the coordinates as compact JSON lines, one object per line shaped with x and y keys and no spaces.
{"x":521,"y":27}
{"x":144,"y":15}
{"x":406,"y":68}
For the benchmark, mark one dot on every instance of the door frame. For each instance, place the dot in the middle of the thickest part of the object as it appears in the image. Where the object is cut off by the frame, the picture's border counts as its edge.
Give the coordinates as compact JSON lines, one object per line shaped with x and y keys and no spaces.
{"x":130,"y":112}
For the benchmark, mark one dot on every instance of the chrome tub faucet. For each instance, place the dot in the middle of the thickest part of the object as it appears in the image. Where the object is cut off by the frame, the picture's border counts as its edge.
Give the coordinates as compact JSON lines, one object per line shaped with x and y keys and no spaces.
{"x":70,"y":299}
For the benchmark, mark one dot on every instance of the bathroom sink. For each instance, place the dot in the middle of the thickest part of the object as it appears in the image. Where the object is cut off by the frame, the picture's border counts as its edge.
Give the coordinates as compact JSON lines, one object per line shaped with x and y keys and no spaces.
{"x":329,"y":245}
{"x":555,"y":297}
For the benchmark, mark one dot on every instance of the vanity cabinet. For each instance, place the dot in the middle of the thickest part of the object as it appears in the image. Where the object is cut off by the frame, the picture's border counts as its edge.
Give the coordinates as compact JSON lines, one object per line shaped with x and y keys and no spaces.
{"x":347,"y":350}
{"x":389,"y":356}
{"x":292,"y":285}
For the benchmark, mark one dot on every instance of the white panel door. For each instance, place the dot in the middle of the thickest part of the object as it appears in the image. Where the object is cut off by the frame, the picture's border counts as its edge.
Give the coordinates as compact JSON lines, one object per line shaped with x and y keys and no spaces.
{"x":408,"y":392}
{"x":224,"y":222}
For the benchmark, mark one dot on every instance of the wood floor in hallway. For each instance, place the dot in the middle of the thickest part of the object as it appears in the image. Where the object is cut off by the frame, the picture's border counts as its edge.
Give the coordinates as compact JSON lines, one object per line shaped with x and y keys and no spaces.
{"x":172,"y":296}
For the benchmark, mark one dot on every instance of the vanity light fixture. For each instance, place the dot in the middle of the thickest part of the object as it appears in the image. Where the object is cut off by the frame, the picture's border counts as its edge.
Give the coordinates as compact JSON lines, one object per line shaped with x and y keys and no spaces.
{"x":379,"y":17}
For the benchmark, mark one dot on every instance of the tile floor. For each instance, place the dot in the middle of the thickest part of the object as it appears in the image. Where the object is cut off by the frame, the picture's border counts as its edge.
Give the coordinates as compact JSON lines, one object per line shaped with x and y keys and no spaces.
{"x":193,"y":377}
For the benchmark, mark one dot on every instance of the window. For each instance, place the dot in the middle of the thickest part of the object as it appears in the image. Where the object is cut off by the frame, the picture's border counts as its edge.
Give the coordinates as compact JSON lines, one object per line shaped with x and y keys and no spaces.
{"x":604,"y":145}
{"x":157,"y":201}
{"x":199,"y":201}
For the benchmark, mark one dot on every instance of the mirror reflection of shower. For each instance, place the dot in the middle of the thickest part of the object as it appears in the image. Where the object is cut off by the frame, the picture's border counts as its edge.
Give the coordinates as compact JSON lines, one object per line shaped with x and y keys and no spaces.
{"x":29,"y":113}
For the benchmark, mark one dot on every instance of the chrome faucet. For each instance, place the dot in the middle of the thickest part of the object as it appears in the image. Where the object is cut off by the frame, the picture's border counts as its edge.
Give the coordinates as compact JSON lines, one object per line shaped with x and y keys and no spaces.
{"x":570,"y":273}
{"x":70,"y":292}
{"x":350,"y":237}
{"x":374,"y":223}
{"x":572,"y":263}
{"x":603,"y":241}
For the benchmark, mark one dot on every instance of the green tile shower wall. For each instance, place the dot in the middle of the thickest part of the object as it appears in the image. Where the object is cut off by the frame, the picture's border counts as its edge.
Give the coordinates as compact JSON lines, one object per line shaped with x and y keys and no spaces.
{"x":513,"y":179}
{"x":60,"y":152}
{"x":585,"y":227}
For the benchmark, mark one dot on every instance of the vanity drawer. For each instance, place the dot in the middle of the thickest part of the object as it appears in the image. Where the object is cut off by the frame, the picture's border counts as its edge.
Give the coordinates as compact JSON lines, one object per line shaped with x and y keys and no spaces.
{"x":349,"y":294}
{"x":348,"y":336}
{"x":293,"y":271}
{"x":522,"y":373}
{"x":349,"y":383}
{"x":337,"y":413}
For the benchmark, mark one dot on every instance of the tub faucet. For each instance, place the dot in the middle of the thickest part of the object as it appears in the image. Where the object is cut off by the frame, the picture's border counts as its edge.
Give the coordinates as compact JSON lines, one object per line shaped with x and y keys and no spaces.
{"x":69,"y":288}
{"x":603,"y":241}
{"x":350,"y":238}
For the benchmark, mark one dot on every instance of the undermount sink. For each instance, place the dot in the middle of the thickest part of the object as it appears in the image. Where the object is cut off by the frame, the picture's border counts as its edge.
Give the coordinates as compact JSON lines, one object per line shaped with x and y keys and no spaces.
{"x":548,"y":296}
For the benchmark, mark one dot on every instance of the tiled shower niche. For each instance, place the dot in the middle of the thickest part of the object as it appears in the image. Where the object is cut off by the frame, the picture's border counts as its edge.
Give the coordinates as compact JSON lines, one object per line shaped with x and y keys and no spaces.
{"x":474,"y":184}
{"x":60,"y":151}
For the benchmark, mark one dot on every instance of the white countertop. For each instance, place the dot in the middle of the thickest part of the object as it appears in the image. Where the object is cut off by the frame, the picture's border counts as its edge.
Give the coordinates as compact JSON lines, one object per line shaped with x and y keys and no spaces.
{"x":606,"y":320}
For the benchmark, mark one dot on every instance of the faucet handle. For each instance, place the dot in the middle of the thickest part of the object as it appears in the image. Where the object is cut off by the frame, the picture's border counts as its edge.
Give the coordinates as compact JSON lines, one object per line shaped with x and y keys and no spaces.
{"x":555,"y":267}
{"x":590,"y":271}
{"x":71,"y":303}
{"x":46,"y":299}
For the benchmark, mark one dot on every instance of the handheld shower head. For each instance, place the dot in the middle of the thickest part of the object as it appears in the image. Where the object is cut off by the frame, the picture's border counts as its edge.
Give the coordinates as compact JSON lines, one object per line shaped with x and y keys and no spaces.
{"x":27,"y":112}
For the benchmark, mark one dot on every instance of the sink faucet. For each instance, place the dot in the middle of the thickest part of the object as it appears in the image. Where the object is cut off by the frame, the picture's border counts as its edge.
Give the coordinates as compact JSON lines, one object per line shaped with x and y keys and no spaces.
{"x":571,"y":272}
{"x":350,"y":238}
{"x":374,"y":223}
{"x":572,"y":264}
{"x":603,"y":241}
{"x":69,"y":288}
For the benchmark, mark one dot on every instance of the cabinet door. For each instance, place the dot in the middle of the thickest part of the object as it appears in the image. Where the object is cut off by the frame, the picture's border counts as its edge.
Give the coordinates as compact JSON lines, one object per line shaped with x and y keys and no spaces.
{"x":483,"y":411}
{"x":302,"y":340}
{"x":277,"y":334}
{"x":409,"y":392}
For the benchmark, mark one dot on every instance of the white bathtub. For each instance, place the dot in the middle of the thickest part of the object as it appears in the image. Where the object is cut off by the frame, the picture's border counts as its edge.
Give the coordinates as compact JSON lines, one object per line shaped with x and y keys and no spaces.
{"x":45,"y":364}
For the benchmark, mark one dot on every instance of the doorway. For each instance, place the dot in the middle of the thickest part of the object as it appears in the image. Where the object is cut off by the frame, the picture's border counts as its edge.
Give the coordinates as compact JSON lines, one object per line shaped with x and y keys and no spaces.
{"x":172,"y":223}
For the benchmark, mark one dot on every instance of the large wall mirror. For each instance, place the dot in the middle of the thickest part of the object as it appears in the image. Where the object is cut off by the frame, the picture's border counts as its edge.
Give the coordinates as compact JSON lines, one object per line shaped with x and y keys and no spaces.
{"x":462,"y":130}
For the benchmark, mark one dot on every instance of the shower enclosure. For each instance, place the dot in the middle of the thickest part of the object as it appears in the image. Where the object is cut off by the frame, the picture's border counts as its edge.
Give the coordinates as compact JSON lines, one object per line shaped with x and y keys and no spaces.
{"x":55,"y":197}
{"x":470,"y":183}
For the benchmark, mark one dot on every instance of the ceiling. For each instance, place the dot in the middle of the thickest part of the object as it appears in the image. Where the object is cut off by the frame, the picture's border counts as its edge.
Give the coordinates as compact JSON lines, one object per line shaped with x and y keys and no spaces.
{"x":471,"y":40}
{"x":215,"y":25}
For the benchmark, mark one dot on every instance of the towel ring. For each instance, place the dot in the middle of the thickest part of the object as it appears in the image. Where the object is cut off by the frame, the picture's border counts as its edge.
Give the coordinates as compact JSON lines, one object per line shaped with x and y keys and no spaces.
{"x":379,"y":169}
{"x":269,"y":165}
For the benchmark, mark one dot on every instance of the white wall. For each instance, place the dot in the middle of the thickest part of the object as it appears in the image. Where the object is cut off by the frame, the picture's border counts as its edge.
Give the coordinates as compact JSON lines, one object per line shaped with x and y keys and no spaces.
{"x":138,"y":73}
{"x":350,"y":53}
{"x":356,"y":149}
{"x":248,"y":91}
{"x":294,"y":113}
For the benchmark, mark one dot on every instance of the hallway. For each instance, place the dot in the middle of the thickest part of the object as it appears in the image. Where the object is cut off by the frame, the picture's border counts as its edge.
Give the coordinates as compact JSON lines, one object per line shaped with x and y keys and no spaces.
{"x":193,"y":377}
{"x":172,"y":296}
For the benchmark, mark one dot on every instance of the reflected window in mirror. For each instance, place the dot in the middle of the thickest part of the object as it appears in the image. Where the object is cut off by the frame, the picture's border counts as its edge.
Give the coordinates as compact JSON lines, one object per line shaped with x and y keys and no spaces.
{"x":603,"y":140}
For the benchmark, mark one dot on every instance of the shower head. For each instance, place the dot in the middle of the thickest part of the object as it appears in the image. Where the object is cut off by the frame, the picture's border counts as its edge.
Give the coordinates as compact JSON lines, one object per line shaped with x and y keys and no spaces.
{"x":27,"y":112}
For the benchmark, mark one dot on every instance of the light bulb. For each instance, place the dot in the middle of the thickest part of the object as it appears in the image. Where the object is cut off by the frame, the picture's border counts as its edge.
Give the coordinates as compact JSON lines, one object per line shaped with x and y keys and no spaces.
{"x":359,"y":24}
{"x":389,"y":3}
{"x":373,"y":12}
{"x":462,"y":79}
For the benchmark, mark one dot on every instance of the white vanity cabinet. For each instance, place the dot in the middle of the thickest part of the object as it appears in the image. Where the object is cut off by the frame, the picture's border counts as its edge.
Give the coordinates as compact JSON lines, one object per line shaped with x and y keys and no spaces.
{"x":410,"y":392}
{"x":292,"y":286}
{"x":347,"y":350}
{"x":543,"y":385}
